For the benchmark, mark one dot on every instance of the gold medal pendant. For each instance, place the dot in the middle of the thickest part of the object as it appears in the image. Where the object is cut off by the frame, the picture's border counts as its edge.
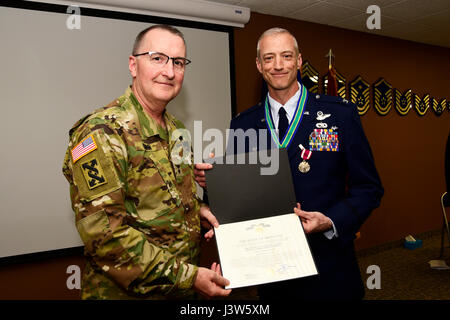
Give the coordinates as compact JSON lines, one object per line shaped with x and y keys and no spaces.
{"x":304,"y":167}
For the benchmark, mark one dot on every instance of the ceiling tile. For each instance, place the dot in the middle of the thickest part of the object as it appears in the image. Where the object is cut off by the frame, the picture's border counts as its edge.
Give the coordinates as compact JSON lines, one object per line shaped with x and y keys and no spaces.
{"x":359,"y":23}
{"x":411,"y":10}
{"x":277,"y":7}
{"x":426,"y":21}
{"x":441,"y":20}
{"x":363,"y":4}
{"x":324,"y":13}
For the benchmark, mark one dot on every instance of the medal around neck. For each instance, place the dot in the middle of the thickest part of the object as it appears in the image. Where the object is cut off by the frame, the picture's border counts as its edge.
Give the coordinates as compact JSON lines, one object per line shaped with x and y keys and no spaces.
{"x":295,"y":122}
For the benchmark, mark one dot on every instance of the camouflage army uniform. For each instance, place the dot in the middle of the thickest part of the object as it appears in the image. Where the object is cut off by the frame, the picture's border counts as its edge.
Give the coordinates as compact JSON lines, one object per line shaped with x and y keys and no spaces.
{"x":136,"y":211}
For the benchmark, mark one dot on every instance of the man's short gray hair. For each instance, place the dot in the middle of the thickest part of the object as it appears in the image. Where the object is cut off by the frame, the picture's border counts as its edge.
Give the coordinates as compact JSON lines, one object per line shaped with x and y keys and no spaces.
{"x":140,"y":36}
{"x":272,"y":31}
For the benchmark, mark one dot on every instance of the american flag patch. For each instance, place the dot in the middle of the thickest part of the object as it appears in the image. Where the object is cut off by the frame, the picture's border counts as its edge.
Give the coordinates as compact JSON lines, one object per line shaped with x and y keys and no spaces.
{"x":83,"y":148}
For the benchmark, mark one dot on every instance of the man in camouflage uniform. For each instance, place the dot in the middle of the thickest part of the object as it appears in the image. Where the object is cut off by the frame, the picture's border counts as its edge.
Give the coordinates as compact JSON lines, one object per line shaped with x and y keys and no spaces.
{"x":136,"y":207}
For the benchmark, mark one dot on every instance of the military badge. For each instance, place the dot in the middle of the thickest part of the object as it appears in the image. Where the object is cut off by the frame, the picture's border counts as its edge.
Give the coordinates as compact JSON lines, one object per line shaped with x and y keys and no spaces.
{"x":403,"y":102}
{"x":439,"y":107}
{"x":310,"y":77}
{"x":359,"y":94}
{"x":324,"y":140}
{"x":83,"y":148}
{"x":93,"y":173}
{"x":322,"y":116}
{"x":341,"y":84}
{"x":321,"y":125}
{"x":382,"y":97}
{"x":305,"y":154}
{"x":421,"y":105}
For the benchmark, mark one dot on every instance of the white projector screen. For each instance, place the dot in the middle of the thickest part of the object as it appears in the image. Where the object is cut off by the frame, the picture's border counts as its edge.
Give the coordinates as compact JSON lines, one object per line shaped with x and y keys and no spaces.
{"x":50,"y":77}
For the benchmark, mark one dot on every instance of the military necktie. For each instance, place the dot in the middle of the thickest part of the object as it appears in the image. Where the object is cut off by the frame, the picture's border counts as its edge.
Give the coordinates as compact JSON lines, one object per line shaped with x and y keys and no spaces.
{"x":283,"y":123}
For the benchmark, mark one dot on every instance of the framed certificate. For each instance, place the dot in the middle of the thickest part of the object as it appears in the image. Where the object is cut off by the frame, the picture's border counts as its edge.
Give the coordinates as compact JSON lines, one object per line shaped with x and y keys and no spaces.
{"x":259,"y":239}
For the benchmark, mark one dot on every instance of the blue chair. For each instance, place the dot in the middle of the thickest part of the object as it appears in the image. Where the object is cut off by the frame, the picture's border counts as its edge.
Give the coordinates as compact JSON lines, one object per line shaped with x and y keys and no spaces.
{"x":445,"y":198}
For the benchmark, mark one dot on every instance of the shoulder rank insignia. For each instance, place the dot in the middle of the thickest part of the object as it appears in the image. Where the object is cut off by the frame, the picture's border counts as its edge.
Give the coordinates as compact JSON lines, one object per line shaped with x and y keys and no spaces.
{"x":83,"y":148}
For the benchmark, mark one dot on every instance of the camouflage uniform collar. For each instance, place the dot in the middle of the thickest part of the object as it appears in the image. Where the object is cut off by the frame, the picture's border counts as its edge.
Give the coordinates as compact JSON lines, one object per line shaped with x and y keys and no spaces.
{"x":149,"y":127}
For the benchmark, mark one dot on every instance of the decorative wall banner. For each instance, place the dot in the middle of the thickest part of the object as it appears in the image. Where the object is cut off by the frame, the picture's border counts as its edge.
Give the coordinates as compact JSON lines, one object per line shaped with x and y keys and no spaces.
{"x":360,"y":94}
{"x":439,"y":106}
{"x":403,"y":102}
{"x":310,"y":77}
{"x":341,"y":84}
{"x":422,"y":105}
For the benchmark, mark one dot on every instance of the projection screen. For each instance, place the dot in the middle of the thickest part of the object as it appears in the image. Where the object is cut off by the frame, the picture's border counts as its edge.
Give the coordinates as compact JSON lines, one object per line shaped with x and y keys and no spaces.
{"x":51,"y":76}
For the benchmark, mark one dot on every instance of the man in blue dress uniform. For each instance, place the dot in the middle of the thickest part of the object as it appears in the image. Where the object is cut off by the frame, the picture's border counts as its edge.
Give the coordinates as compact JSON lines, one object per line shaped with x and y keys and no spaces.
{"x":335,"y":179}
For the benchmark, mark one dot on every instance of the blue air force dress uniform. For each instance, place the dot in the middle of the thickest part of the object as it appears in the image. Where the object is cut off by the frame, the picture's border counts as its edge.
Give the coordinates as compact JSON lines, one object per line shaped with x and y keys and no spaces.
{"x":333,"y":172}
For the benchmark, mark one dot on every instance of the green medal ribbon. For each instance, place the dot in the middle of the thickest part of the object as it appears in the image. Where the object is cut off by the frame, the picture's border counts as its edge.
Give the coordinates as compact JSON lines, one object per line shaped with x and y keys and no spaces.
{"x":295,"y":123}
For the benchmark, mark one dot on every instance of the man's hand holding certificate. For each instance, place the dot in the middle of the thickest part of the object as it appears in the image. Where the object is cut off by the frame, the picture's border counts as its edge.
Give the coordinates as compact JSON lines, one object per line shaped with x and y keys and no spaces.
{"x":260,"y":238}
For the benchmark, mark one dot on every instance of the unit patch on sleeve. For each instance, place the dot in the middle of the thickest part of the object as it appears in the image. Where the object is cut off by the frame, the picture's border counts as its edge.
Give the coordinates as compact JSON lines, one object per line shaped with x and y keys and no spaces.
{"x":93,"y":173}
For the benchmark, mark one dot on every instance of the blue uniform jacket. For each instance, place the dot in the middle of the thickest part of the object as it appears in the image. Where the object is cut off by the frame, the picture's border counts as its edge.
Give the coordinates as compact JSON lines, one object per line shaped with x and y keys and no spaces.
{"x":344,"y":185}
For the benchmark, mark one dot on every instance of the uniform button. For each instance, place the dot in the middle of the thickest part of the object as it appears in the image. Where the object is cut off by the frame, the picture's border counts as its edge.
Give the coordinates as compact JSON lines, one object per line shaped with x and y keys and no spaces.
{"x":317,"y":96}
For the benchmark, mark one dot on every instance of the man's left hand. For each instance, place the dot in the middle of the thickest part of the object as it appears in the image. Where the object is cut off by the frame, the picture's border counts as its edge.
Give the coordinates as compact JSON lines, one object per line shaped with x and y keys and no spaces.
{"x":208,"y":220}
{"x":313,"y":221}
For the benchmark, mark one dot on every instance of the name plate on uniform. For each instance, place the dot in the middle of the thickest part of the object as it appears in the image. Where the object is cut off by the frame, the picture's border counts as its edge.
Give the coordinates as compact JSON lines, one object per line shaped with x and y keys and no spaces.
{"x":259,"y":239}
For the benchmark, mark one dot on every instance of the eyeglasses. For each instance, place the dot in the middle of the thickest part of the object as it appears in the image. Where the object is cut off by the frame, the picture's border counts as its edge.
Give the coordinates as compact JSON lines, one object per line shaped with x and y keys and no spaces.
{"x":160,"y":59}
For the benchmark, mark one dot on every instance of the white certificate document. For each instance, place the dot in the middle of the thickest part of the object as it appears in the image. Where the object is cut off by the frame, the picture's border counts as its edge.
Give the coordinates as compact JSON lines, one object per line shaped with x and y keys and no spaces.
{"x":264,"y":250}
